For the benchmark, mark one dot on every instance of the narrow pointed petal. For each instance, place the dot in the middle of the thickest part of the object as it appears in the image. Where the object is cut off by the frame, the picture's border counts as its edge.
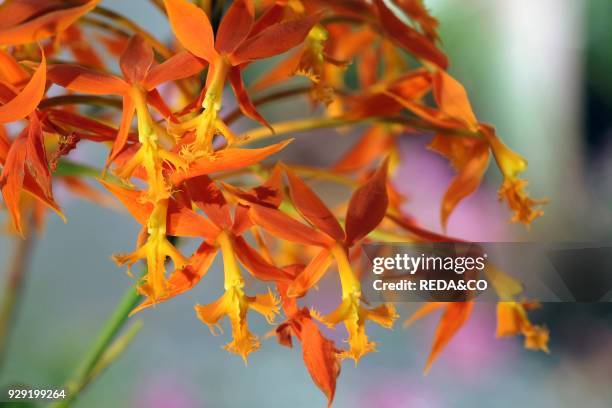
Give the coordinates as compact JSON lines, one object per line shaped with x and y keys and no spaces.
{"x":191,"y":26}
{"x":423,"y":311}
{"x":133,"y":201}
{"x":28,"y":99}
{"x":312,"y":208}
{"x":452,"y":99}
{"x":312,"y":274}
{"x":37,"y":164}
{"x":179,"y":66}
{"x":367,"y":207}
{"x":465,"y":183}
{"x":228,"y":159}
{"x":184,"y":222}
{"x":453,"y":319}
{"x":374,"y":143}
{"x":209,"y":198}
{"x":409,"y":38}
{"x":269,"y":194}
{"x":282,"y":226}
{"x":11,"y":180}
{"x":274,"y":40}
{"x":86,"y":80}
{"x":235,"y":26}
{"x":10,"y":70}
{"x":256,"y":264}
{"x":136,"y":59}
{"x":127,"y":116}
{"x":5,"y":145}
{"x":321,"y":358}
{"x":244,"y":101}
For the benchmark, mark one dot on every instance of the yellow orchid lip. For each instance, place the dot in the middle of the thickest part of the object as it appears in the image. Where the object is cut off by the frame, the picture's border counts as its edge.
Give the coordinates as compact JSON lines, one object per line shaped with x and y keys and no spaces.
{"x":353,"y":314}
{"x":235,"y":304}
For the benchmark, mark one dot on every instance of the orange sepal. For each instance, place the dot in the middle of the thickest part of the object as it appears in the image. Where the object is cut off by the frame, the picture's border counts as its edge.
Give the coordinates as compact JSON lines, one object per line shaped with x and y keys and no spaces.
{"x":312,"y":208}
{"x":283,"y":226}
{"x":28,"y":99}
{"x":368,"y":206}
{"x":228,"y":159}
{"x":191,"y":26}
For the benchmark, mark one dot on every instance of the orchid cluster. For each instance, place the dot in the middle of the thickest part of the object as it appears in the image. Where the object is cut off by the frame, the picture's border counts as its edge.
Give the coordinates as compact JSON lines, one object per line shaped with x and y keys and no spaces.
{"x":183,"y":171}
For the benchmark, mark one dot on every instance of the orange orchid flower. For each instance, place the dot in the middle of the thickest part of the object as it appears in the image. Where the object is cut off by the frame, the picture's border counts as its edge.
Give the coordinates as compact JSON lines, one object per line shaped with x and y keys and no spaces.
{"x":366,"y":209}
{"x":239,"y":41}
{"x":141,"y":75}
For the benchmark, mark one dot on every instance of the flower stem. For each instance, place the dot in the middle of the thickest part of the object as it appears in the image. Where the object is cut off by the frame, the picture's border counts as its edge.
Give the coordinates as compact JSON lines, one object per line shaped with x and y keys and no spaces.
{"x":14,"y":287}
{"x":114,"y":324}
{"x":301,"y":125}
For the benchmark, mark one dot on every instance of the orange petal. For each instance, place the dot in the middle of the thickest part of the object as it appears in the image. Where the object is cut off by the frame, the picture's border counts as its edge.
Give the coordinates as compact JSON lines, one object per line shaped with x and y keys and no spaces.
{"x":418,"y":12}
{"x":43,"y":26}
{"x":37,"y":164}
{"x":235,"y":26}
{"x":228,"y":159}
{"x":207,"y":196}
{"x":321,"y":358}
{"x":27,"y":100}
{"x":274,"y":40}
{"x":311,"y":274}
{"x":372,"y":145}
{"x":452,"y":99}
{"x":279,"y":73}
{"x":454,"y":317}
{"x":136,"y":59}
{"x":423,"y":311}
{"x":127,"y":115}
{"x":184,"y":222}
{"x":244,"y":101}
{"x":179,"y":66}
{"x":191,"y":26}
{"x":282,"y":226}
{"x":256,"y":264}
{"x":5,"y":145}
{"x":133,"y":201}
{"x":269,"y":194}
{"x":368,"y":206}
{"x":85,"y":80}
{"x":409,"y":38}
{"x":312,"y":208}
{"x":10,"y":70}
{"x":466,"y":182}
{"x":11,"y":180}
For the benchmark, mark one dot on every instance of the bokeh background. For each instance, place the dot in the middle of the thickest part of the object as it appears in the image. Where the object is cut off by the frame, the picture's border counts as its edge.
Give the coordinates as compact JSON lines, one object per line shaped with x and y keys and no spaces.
{"x":541,"y":72}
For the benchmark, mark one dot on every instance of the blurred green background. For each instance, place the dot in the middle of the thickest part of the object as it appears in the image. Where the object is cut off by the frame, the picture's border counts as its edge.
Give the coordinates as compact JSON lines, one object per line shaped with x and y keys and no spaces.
{"x":541,"y":72}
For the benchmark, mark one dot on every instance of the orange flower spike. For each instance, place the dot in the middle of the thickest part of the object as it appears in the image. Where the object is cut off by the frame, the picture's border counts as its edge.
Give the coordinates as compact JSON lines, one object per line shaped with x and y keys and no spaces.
{"x":235,"y":304}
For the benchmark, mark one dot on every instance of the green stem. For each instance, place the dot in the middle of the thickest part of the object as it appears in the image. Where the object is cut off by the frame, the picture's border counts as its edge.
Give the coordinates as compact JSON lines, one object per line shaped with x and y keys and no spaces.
{"x":108,"y":333}
{"x":14,"y":287}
